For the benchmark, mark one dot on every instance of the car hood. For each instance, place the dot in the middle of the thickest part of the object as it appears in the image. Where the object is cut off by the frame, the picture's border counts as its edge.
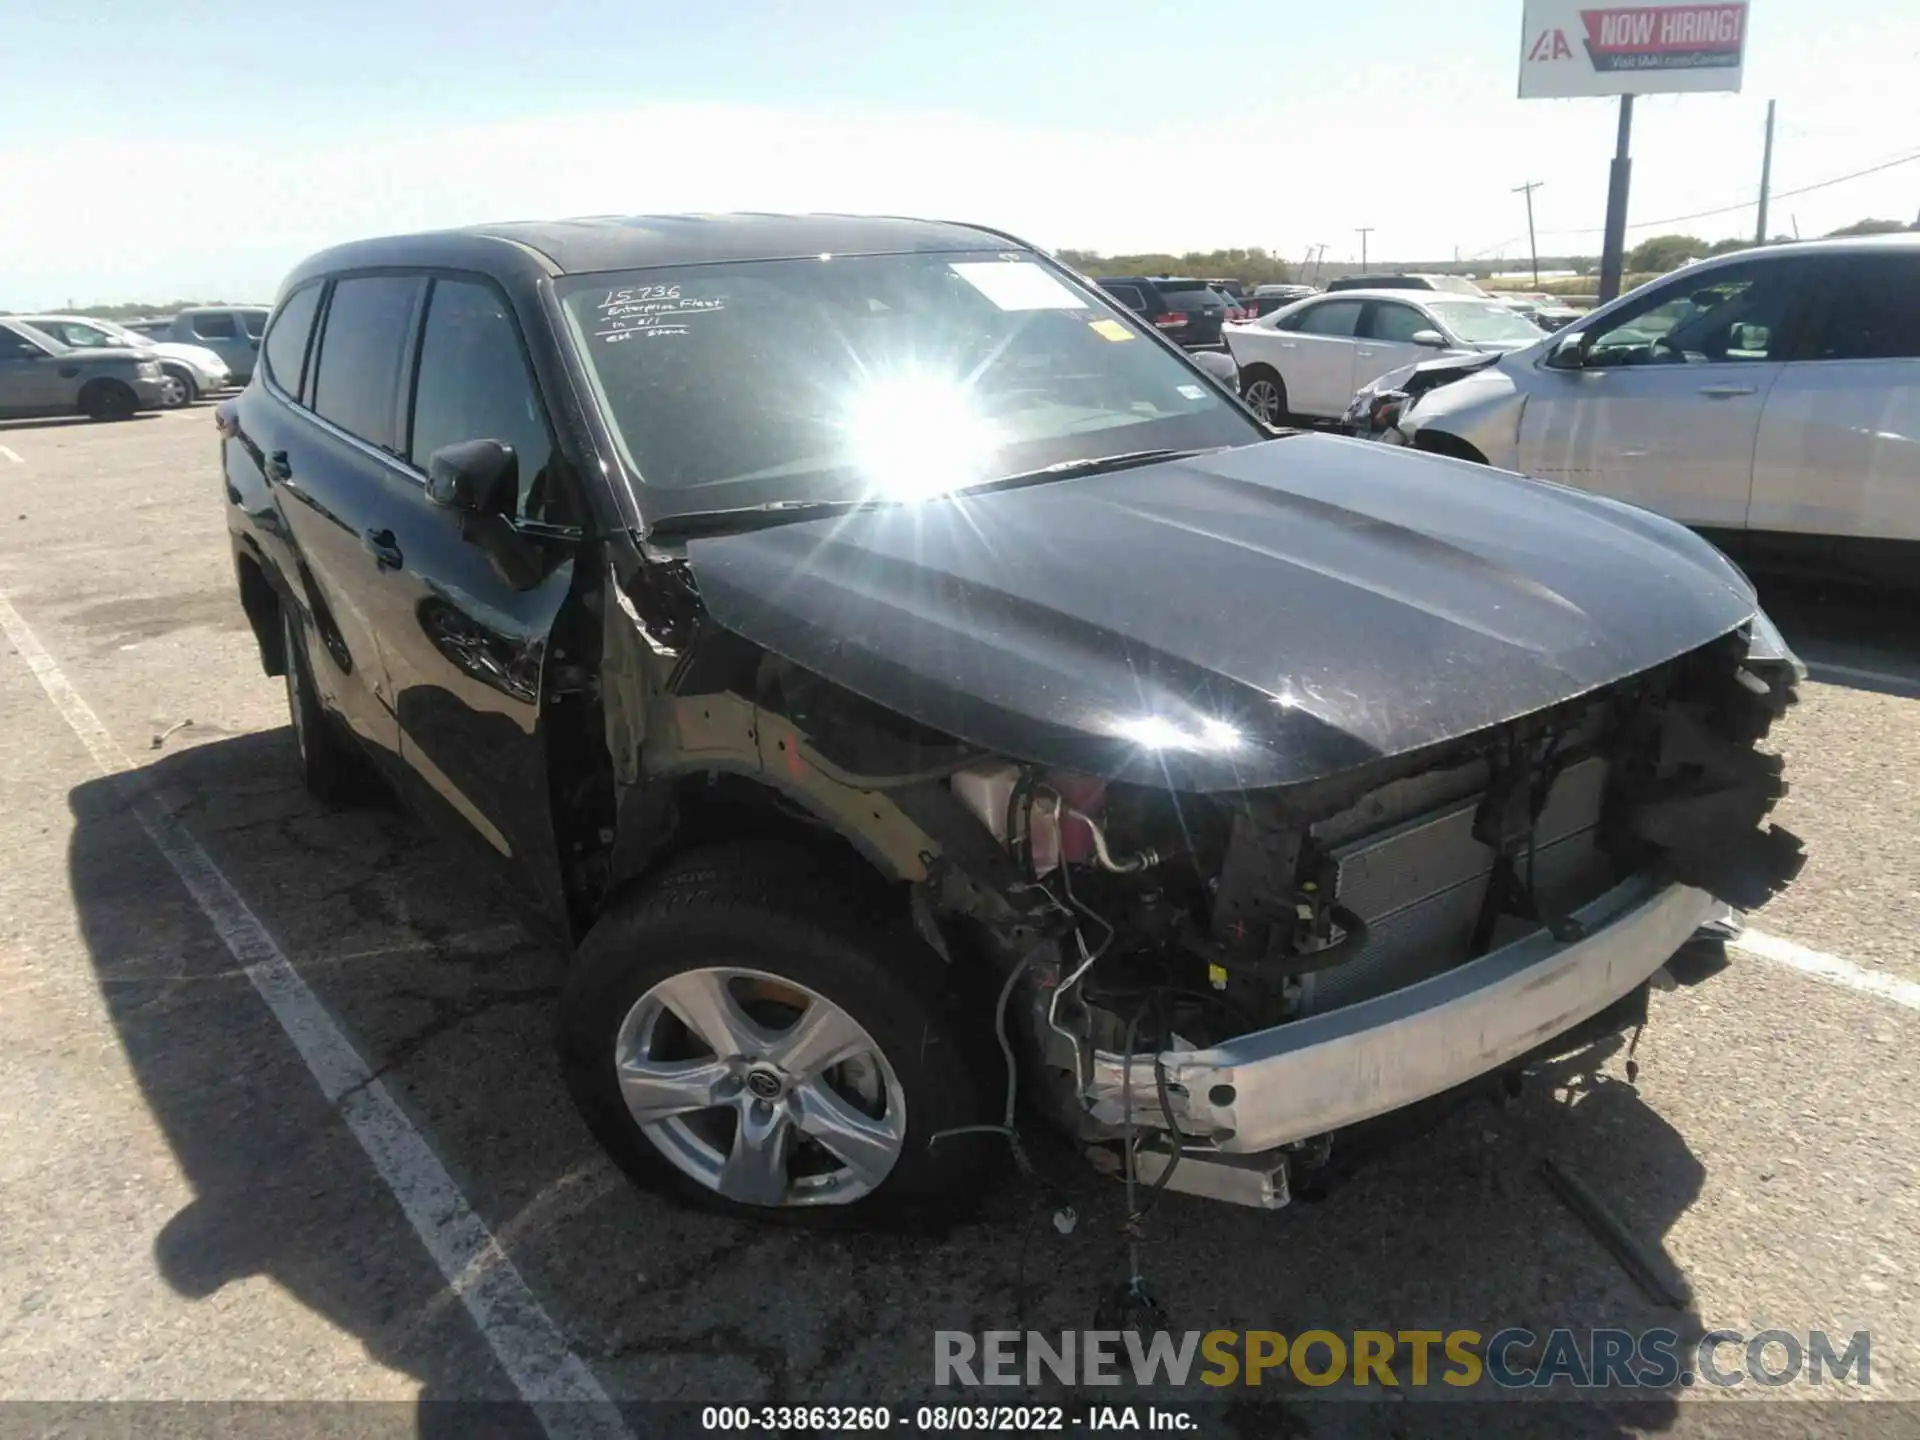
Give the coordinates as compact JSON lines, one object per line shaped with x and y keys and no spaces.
{"x":195,"y":355}
{"x":1256,"y":617}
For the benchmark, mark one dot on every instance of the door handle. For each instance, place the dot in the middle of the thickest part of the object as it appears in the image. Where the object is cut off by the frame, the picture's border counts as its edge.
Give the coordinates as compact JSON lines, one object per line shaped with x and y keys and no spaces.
{"x":1725,"y":392}
{"x":279,"y":468}
{"x":384,"y":548}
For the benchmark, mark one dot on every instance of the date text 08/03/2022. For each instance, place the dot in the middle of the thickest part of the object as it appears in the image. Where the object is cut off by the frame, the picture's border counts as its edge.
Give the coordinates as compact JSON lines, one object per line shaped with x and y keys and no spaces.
{"x":990,"y":1419}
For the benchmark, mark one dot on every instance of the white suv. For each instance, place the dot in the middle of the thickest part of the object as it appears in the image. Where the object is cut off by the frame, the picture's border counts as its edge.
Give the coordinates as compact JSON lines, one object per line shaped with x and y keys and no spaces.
{"x":1770,"y":397}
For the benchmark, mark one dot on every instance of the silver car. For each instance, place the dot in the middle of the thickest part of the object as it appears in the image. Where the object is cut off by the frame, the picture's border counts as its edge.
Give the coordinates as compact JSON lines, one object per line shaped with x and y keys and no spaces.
{"x":231,"y":331}
{"x":1769,"y":398}
{"x":41,"y":376}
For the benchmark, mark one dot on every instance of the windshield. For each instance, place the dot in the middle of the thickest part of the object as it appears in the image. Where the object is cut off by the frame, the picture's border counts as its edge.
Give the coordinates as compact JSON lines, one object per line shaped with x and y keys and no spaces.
{"x":1484,"y":324}
{"x":123,"y":336}
{"x":80,"y":335}
{"x":739,"y":386}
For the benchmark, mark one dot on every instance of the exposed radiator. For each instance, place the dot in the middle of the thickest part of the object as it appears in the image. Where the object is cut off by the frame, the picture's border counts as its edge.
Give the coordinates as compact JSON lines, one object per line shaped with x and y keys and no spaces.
{"x":1419,"y":886}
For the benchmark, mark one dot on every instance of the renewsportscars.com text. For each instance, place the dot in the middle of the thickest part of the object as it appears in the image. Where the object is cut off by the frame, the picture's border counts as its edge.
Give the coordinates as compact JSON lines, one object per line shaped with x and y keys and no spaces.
{"x":1511,"y":1358}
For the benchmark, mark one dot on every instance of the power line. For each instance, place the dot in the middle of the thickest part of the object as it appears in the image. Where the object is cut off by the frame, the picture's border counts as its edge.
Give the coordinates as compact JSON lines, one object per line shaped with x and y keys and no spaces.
{"x":1749,"y":204}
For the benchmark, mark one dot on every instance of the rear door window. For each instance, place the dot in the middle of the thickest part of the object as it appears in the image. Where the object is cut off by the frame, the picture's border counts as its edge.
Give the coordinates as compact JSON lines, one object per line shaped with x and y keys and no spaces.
{"x":1869,"y":309}
{"x":286,"y":347}
{"x":364,"y":336}
{"x":216,"y":325}
{"x":1335,"y":317}
{"x":254,"y":322}
{"x":474,"y":384}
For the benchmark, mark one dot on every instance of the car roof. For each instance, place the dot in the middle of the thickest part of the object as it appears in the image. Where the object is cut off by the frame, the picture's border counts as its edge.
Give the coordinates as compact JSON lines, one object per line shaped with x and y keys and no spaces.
{"x":634,"y":242}
{"x":1416,"y":297}
{"x":1907,"y":241}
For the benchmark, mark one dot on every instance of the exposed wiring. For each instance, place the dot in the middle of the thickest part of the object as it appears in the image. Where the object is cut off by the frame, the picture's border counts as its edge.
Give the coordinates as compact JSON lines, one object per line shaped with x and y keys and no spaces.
{"x":1006,"y":1126}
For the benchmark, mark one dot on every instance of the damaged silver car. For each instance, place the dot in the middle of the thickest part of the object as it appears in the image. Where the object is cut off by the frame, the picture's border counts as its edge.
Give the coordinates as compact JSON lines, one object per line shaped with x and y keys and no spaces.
{"x":918,"y":696}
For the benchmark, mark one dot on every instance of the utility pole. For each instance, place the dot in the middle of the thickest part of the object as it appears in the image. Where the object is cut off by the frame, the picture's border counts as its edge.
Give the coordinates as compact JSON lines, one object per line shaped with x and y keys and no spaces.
{"x":1533,"y":249}
{"x":1365,"y":230}
{"x":1766,"y":180}
{"x":1613,"y":251}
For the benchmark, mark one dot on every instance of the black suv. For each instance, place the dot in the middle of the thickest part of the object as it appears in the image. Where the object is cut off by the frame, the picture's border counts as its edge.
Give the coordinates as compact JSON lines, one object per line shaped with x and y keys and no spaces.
{"x":884,"y":662}
{"x":1188,"y":312}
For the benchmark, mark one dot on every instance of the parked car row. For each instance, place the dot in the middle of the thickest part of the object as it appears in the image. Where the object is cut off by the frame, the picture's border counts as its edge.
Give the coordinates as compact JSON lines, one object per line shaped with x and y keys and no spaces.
{"x":1308,"y":358}
{"x":79,"y":365}
{"x":1191,"y":311}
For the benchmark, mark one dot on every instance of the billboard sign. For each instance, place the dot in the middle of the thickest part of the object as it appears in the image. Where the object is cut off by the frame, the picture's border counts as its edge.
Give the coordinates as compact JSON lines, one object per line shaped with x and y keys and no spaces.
{"x":1576,"y":47}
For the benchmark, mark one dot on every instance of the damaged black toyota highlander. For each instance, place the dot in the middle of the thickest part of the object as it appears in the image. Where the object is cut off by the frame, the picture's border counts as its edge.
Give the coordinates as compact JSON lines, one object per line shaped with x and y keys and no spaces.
{"x":878,"y":655}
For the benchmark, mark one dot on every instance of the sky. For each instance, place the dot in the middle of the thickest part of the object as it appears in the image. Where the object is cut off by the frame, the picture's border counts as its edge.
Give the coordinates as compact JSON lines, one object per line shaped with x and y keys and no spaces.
{"x":199,"y":149}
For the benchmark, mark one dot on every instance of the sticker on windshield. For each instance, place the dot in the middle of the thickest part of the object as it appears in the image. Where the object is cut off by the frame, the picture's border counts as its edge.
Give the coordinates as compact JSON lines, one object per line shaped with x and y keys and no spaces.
{"x":1192,"y":392}
{"x":1110,"y":329}
{"x":1019,"y":285}
{"x":635,"y":312}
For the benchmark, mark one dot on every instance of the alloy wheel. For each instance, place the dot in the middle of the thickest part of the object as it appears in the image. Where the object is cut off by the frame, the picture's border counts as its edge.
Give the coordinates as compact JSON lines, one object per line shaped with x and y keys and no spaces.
{"x":173,"y":391}
{"x":1263,"y":398}
{"x":760,"y":1089}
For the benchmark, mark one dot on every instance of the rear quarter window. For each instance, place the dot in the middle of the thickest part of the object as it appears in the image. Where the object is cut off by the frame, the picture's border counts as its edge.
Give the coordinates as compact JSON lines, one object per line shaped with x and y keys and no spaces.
{"x":286,"y":348}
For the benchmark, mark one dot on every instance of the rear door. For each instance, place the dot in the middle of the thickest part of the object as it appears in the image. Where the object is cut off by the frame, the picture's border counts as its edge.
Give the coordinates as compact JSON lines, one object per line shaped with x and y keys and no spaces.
{"x":330,"y":463}
{"x":1314,"y":353}
{"x":475,"y":596}
{"x":220,"y":332}
{"x":1665,"y":409}
{"x":1839,"y":445}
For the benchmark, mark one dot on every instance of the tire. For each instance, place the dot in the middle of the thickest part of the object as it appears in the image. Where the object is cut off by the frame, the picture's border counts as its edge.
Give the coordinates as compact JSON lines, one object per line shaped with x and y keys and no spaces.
{"x":180,"y":383}
{"x":108,"y":400}
{"x":1265,"y":393}
{"x":804,"y":936}
{"x":330,"y":767}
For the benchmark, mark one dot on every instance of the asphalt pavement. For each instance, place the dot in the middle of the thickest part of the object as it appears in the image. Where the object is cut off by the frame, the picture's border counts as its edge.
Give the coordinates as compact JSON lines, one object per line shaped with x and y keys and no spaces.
{"x":194,"y":1210}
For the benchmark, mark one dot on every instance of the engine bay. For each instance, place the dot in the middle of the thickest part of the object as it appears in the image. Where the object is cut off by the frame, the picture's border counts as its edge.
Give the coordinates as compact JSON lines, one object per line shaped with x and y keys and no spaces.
{"x":1152,"y":921}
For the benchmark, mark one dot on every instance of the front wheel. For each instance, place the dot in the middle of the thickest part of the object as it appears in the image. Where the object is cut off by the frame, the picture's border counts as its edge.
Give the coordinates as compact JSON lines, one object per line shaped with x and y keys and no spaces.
{"x":1265,"y":393}
{"x":177,"y":388}
{"x":753,"y":1036}
{"x":108,"y":400}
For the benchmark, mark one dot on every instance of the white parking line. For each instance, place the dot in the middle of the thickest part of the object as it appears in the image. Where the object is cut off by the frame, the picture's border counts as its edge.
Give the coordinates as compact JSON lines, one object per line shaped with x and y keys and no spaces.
{"x":1830,"y":968}
{"x":11,"y":455}
{"x":529,"y":1346}
{"x":1819,"y":669}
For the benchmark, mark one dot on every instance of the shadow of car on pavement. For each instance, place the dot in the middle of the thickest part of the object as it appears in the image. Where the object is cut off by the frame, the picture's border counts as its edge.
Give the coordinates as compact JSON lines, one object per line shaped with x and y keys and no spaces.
{"x":448,"y":999}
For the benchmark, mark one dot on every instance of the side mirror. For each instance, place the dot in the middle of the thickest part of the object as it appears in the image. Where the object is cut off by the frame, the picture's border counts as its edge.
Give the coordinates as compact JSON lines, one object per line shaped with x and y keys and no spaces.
{"x":1569,"y":352}
{"x":479,"y":476}
{"x":1432,"y":339}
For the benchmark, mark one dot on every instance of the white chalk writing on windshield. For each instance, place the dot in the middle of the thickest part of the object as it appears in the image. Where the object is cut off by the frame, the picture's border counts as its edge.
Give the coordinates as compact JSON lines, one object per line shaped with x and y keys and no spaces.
{"x":633,"y":311}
